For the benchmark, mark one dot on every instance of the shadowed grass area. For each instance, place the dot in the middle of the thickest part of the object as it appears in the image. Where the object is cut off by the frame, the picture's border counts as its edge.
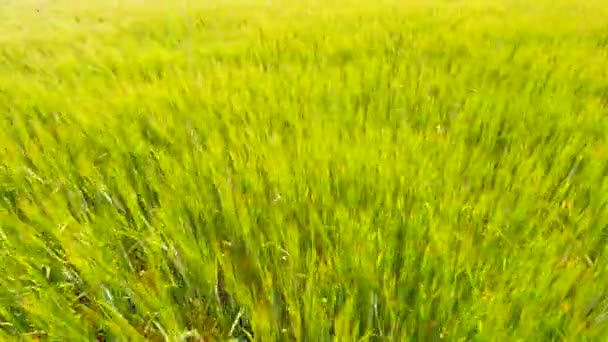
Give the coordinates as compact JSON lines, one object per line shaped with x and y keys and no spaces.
{"x":358,"y":171}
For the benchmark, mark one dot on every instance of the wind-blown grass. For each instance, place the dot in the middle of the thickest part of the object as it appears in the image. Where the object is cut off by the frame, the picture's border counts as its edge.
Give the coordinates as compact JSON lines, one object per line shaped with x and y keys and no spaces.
{"x":384,"y":171}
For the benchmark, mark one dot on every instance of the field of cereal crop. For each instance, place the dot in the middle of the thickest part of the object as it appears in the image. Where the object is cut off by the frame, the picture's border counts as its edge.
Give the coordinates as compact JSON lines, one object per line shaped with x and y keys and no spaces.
{"x":303,"y":170}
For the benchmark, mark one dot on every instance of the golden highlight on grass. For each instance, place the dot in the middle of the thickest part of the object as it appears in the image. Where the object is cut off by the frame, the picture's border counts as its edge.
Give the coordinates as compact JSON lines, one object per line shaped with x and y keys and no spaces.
{"x":311,"y":171}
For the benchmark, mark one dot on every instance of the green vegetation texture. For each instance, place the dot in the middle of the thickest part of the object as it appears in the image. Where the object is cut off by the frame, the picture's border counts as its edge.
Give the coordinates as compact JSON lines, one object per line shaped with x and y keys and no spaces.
{"x":300,"y":170}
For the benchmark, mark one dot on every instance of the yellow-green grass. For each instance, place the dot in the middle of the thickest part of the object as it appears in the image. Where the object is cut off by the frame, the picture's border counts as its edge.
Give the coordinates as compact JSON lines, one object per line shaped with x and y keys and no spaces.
{"x":359,"y":170}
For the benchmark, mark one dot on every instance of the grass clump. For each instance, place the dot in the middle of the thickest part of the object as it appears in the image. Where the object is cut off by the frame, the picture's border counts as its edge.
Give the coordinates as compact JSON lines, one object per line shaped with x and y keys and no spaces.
{"x":308,"y":171}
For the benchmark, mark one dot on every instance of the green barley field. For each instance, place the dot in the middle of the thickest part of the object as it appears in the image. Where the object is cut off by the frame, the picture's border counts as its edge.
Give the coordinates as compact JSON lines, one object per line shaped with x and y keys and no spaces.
{"x":281,"y":170}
